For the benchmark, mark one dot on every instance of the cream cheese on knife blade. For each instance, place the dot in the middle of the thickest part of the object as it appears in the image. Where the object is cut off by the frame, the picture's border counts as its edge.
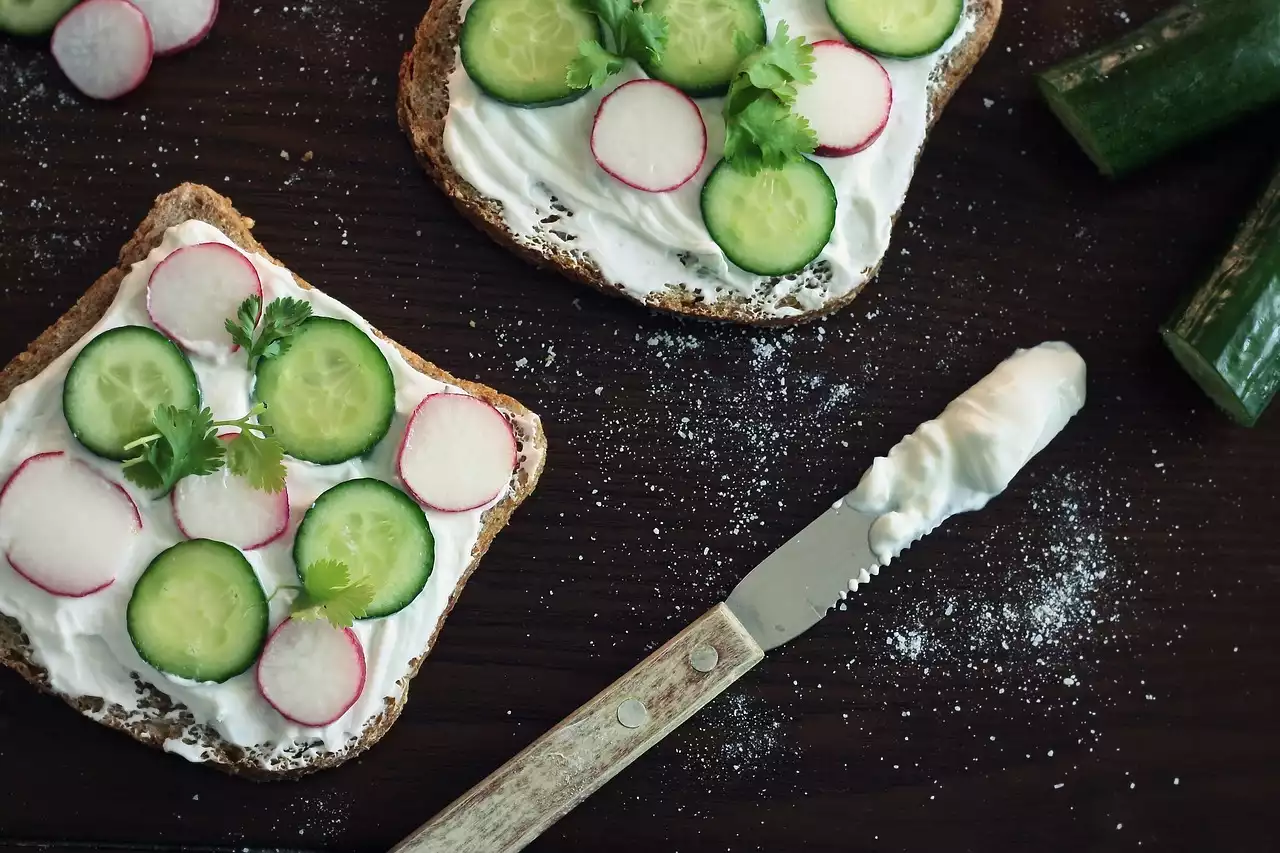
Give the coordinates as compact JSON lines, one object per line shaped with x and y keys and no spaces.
{"x":644,"y":241}
{"x":84,"y":643}
{"x":969,"y":454}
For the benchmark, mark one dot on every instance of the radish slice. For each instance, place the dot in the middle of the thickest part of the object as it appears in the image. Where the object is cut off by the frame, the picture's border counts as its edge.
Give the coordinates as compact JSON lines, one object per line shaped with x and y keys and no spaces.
{"x":311,"y":672}
{"x":178,"y":24}
{"x":225,"y":507}
{"x":650,"y":136}
{"x":104,"y":47}
{"x":64,"y":527}
{"x":193,"y":292}
{"x":848,"y":104}
{"x":458,"y":453}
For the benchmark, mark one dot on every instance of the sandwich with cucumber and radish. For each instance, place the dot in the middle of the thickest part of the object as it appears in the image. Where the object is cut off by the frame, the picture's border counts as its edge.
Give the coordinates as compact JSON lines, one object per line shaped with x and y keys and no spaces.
{"x":734,"y":160}
{"x":225,"y":495}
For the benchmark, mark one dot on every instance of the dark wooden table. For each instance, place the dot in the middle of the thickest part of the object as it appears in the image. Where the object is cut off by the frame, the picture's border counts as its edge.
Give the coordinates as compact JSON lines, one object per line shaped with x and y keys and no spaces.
{"x":1093,"y":663}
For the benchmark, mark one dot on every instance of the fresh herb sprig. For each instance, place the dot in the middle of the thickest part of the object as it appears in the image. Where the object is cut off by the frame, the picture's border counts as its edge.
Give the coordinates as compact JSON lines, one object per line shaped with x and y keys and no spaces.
{"x":630,"y":31}
{"x":280,"y":321}
{"x":186,"y":444}
{"x":761,"y":130}
{"x":329,"y":592}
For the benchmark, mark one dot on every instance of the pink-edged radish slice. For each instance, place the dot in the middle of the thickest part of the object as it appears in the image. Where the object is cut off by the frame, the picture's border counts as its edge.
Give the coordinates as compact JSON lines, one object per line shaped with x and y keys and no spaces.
{"x":178,"y":24}
{"x":849,"y":101}
{"x":458,"y":453}
{"x":650,"y":136}
{"x":193,"y":292}
{"x":66,"y":528}
{"x":227,"y":508}
{"x":104,"y":47}
{"x":311,"y":672}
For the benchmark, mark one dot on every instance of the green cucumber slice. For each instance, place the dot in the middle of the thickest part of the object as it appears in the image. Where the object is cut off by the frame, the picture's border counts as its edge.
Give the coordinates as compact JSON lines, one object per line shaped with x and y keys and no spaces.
{"x":1227,"y":334}
{"x":519,"y":51}
{"x":701,"y":56}
{"x":198,"y":612}
{"x":772,"y":223}
{"x":32,"y":17}
{"x":899,"y":28}
{"x":331,"y":396}
{"x":1187,"y":73}
{"x":378,"y":532}
{"x":117,"y":381}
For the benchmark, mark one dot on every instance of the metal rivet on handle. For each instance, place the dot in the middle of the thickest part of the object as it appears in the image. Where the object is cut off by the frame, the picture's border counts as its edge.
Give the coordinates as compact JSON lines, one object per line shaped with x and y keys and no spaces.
{"x":632,"y":713}
{"x":704,"y":658}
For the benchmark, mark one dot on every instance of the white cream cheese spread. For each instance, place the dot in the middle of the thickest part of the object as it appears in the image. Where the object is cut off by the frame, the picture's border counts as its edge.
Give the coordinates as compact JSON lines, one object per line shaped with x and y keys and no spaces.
{"x":970,"y":453}
{"x":647,"y":243}
{"x":83,"y":643}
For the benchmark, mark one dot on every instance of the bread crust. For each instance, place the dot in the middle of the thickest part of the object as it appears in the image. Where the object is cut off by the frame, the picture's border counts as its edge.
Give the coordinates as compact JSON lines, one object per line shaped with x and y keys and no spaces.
{"x":161,"y":720}
{"x":423,"y":107}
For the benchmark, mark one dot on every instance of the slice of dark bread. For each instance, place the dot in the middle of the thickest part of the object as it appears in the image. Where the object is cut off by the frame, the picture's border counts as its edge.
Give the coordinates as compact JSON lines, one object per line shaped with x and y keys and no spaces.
{"x":424,"y":108}
{"x":161,"y":720}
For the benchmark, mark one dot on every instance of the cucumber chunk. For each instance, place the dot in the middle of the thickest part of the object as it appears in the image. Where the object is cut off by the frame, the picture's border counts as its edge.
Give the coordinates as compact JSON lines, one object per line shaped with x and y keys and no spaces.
{"x":772,"y":223}
{"x":331,"y":396}
{"x":32,"y":17}
{"x":198,"y":612}
{"x":1227,"y":334}
{"x":1187,"y":73}
{"x":702,"y":56}
{"x":898,"y":28}
{"x":378,"y":532}
{"x":519,"y":51}
{"x":117,"y":381}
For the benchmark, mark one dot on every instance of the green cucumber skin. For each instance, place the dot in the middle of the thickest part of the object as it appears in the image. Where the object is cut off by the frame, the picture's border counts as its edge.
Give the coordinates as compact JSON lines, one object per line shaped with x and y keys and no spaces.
{"x":870,"y":46}
{"x":714,"y":89}
{"x":1227,"y":334}
{"x":1189,"y":72}
{"x":21,"y":18}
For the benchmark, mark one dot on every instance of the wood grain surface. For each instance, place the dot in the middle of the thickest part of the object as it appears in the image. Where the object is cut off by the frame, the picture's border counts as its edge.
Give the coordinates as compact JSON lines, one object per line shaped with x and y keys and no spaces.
{"x":1092,"y":663}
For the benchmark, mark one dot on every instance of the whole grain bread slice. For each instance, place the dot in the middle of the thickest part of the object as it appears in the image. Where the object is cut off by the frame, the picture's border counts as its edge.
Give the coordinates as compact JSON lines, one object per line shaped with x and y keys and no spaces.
{"x":423,"y":108}
{"x":159,"y":719}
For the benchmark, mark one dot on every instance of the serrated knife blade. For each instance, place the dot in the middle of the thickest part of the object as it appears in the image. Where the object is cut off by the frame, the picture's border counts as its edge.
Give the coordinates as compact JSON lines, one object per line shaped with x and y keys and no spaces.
{"x":796,"y":585}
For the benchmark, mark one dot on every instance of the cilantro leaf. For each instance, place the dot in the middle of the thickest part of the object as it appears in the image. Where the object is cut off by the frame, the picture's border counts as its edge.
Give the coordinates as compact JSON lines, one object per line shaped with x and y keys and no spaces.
{"x":280,"y":321}
{"x":761,"y":131}
{"x":328,"y":592}
{"x":184,"y":445}
{"x":610,"y":12}
{"x":246,"y":320}
{"x":260,"y":460}
{"x":767,"y":135}
{"x":642,"y":35}
{"x":781,"y":64}
{"x":593,"y":66}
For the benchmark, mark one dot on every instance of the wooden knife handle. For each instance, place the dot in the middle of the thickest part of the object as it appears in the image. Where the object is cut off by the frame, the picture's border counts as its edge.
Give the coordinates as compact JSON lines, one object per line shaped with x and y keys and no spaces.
{"x":543,"y":783}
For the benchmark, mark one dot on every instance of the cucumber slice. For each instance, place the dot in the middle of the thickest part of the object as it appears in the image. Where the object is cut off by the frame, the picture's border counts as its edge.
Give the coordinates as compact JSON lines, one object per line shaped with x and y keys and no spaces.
{"x":116,"y":383}
{"x":1227,"y":335}
{"x":331,"y":396}
{"x":899,"y":28}
{"x":198,"y":612}
{"x":519,"y":51}
{"x":772,"y":223}
{"x":378,"y":532}
{"x":32,"y":17}
{"x":701,"y":56}
{"x":1187,"y":73}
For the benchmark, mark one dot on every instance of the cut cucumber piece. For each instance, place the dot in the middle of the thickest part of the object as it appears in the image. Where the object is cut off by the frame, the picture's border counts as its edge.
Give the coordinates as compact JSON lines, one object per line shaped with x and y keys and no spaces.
{"x":116,"y":383}
{"x":898,"y":28}
{"x":519,"y":51}
{"x":198,"y":612}
{"x":1187,"y":73}
{"x":378,"y":532}
{"x":1227,"y":335}
{"x":32,"y":17}
{"x":701,"y":56}
{"x":331,"y":396}
{"x":772,"y":223}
